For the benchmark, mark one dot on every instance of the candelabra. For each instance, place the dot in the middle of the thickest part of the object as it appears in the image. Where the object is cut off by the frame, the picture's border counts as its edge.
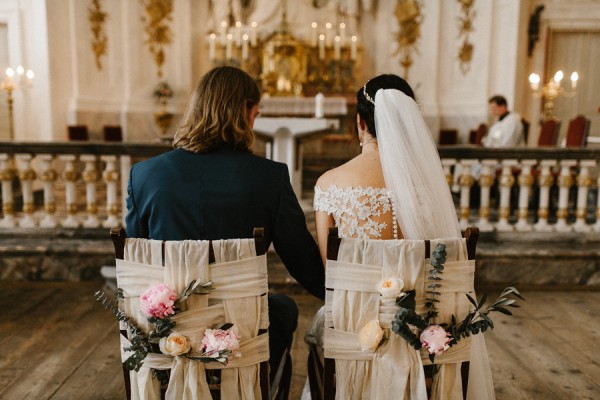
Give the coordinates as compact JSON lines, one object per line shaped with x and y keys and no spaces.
{"x":552,"y":90}
{"x":10,"y":84}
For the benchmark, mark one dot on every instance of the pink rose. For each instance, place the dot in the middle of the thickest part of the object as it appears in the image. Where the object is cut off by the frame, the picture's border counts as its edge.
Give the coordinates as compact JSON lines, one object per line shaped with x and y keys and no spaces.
{"x":216,"y":340}
{"x":157,"y":301}
{"x":435,"y":339}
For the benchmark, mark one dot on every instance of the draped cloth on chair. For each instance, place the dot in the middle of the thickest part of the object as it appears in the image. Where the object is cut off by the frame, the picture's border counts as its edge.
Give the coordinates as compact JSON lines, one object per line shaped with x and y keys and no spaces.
{"x":239,"y":279}
{"x":395,"y":369}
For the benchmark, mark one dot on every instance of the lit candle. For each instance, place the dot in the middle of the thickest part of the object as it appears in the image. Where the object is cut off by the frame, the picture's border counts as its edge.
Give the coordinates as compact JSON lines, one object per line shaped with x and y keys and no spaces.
{"x":211,"y":46}
{"x":353,"y":47}
{"x":313,"y":34}
{"x":223,"y":33}
{"x":10,"y":72}
{"x":238,"y":33}
{"x":328,"y":35}
{"x":30,"y":75}
{"x":229,"y":47}
{"x":20,"y":70}
{"x":253,"y":33}
{"x":574,"y":79}
{"x":343,"y":33}
{"x":558,"y":77}
{"x":321,"y":47}
{"x":336,"y":48}
{"x":245,"y":47}
{"x":534,"y":81}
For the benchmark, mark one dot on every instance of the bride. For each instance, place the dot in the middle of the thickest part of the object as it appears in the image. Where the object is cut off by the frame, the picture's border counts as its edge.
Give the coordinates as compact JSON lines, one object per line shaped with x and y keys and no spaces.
{"x":394,"y":189}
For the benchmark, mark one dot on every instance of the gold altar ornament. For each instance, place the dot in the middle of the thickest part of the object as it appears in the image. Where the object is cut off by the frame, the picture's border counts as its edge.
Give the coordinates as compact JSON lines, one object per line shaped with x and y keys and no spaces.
{"x":552,"y":90}
{"x":97,"y":18}
{"x":284,"y":65}
{"x":410,"y":18}
{"x":465,"y":53}
{"x":159,"y":14}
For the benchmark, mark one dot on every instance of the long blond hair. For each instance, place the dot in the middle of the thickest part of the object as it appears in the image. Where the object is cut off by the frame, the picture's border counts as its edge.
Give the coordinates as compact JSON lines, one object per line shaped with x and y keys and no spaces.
{"x":217,"y":113}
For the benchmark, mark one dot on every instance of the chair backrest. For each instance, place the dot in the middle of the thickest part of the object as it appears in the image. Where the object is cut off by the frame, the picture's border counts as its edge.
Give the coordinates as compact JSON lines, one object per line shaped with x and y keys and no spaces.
{"x":77,"y":132}
{"x":239,"y":291}
{"x":577,"y":132}
{"x":549,"y":133}
{"x":113,"y":133}
{"x":476,"y":136}
{"x":526,"y":125}
{"x":344,"y":354}
{"x":448,"y":136}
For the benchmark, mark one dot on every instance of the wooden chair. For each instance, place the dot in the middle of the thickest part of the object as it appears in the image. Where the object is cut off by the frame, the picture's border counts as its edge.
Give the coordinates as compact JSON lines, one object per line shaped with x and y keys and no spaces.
{"x":448,"y":136}
{"x":278,"y":389}
{"x":549,"y":133}
{"x":476,"y":136}
{"x":113,"y":133}
{"x":577,"y":132}
{"x":325,"y":388}
{"x":78,"y":132}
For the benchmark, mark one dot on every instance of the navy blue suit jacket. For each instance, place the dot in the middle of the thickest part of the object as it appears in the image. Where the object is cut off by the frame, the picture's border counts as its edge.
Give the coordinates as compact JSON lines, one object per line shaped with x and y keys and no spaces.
{"x":223,"y":194}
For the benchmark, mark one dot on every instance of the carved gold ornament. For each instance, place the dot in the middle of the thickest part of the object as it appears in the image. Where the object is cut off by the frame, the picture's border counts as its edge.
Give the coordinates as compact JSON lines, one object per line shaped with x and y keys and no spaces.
{"x":97,"y":18}
{"x":408,"y":14}
{"x":465,"y":27}
{"x":158,"y":15}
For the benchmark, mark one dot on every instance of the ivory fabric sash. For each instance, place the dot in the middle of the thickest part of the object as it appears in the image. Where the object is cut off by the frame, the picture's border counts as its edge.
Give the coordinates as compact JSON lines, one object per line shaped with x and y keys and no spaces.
{"x":239,"y":279}
{"x":395,"y":369}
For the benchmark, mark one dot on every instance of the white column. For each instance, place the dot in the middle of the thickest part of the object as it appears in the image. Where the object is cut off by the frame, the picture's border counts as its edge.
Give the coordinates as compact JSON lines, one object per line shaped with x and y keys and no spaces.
{"x":584,"y":181}
{"x":90,"y":177}
{"x":544,"y":181}
{"x":506,"y":182}
{"x":48,"y":177}
{"x":6,"y":176}
{"x":27,"y":176}
{"x":465,"y":181}
{"x":565,"y":181}
{"x":447,"y":164}
{"x":111,"y":177}
{"x":525,"y":182}
{"x":486,"y":180}
{"x":70,"y":177}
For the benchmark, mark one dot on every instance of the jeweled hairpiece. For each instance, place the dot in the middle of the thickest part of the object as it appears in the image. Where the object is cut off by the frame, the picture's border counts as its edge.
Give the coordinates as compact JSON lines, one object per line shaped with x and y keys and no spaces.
{"x":367,"y":94}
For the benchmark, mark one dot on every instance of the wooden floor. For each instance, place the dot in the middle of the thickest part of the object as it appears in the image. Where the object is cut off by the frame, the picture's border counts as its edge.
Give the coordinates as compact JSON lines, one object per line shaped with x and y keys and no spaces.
{"x":57,"y":342}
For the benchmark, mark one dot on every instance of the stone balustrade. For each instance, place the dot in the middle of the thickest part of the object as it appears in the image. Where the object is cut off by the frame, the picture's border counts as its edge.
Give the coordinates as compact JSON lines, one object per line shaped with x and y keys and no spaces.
{"x":48,"y":185}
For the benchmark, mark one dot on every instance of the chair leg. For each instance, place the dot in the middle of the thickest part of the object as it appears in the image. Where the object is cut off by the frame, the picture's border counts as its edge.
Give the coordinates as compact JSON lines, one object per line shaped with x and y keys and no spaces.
{"x":281,"y":380}
{"x":314,"y":373}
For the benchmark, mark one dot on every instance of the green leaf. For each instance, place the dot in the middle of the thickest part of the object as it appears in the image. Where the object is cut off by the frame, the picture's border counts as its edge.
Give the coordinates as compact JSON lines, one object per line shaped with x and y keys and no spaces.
{"x":502,"y":310}
{"x":472,"y":300}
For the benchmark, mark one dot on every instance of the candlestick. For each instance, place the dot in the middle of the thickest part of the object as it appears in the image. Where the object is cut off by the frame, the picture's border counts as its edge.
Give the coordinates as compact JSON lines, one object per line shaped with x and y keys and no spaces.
{"x":223,"y":33}
{"x":238,"y":33}
{"x":574,"y":79}
{"x":343,"y":33}
{"x":245,"y":47}
{"x":253,"y":33}
{"x":229,"y":47}
{"x":328,"y":34}
{"x":336,"y":48}
{"x":353,"y":47}
{"x":211,"y":46}
{"x":321,"y":46}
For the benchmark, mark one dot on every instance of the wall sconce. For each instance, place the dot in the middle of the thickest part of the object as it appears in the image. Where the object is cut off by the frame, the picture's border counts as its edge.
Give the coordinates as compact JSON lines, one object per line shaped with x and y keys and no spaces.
{"x":10,"y":83}
{"x":552,"y":90}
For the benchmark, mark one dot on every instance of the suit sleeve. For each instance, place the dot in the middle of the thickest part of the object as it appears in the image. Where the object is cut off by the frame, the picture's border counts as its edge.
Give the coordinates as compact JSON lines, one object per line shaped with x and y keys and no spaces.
{"x":133,"y":224}
{"x":294,"y":243}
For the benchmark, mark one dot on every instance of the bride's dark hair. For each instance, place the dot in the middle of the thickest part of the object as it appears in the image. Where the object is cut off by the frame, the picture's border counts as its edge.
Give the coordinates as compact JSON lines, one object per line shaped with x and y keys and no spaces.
{"x":366,"y":107}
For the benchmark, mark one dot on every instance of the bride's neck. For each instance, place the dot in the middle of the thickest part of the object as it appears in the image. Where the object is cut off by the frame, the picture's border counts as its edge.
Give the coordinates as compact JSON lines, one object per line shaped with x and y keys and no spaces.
{"x":369,"y":146}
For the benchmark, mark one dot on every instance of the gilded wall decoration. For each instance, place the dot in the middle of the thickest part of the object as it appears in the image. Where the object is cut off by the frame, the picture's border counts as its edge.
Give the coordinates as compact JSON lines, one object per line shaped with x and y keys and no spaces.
{"x":157,"y":18}
{"x":465,"y":27}
{"x":408,"y":13}
{"x":97,"y":18}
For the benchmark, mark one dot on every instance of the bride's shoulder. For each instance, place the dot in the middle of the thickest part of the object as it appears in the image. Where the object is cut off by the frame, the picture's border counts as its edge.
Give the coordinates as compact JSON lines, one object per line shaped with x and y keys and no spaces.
{"x":341,"y":176}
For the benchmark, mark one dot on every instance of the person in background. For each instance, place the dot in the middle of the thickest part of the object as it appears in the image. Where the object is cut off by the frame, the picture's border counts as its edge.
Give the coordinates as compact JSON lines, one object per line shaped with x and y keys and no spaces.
{"x":507,"y":131}
{"x":212,"y":187}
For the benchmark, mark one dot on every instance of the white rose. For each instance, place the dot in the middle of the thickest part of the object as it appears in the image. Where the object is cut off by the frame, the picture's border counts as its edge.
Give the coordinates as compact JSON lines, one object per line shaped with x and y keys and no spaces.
{"x":174,"y":345}
{"x":370,"y":335}
{"x":390,"y":288}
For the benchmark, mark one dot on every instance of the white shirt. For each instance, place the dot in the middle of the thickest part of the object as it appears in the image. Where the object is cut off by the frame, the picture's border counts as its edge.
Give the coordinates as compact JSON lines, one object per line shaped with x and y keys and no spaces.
{"x":506,"y":132}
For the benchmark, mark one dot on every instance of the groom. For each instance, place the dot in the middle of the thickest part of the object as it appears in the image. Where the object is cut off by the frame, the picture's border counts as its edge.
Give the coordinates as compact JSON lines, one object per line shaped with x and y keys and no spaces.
{"x":212,"y":187}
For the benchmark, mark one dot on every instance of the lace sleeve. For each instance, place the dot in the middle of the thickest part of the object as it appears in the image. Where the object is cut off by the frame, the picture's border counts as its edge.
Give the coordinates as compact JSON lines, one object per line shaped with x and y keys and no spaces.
{"x":322,"y":201}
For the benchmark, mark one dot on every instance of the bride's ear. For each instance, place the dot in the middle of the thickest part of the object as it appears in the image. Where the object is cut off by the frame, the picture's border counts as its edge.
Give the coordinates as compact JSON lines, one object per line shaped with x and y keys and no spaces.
{"x":360,"y":123}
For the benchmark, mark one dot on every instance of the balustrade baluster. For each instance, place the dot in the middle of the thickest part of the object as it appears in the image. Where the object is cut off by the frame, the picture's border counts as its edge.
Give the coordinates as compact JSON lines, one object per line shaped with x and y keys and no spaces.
{"x":525,"y":183}
{"x":6,"y":176}
{"x":48,"y":176}
{"x":111,"y":177}
{"x":584,"y":181}
{"x":27,"y":176}
{"x":125,"y":162}
{"x":507,"y":180}
{"x":70,"y":177}
{"x":597,"y":224}
{"x":90,"y":177}
{"x":486,"y":180}
{"x":544,"y":181}
{"x":565,"y":181}
{"x":465,"y":181}
{"x":447,"y":164}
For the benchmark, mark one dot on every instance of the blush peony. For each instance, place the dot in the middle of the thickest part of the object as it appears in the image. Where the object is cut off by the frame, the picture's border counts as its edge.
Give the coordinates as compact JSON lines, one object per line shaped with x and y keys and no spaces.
{"x":370,"y":335}
{"x":216,"y":340}
{"x":435,"y":339}
{"x":174,"y":345}
{"x":157,"y":301}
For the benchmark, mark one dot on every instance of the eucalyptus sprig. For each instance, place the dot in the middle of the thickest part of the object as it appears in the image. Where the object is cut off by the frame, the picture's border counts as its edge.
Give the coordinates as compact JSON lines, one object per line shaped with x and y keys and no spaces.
{"x":437,"y":263}
{"x":406,"y":316}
